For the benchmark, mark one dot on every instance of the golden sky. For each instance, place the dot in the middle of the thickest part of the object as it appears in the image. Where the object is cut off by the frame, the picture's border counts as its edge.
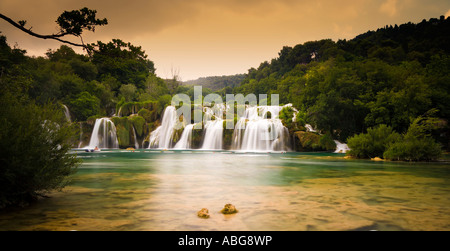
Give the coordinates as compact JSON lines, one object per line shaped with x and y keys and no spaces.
{"x":201,"y":38}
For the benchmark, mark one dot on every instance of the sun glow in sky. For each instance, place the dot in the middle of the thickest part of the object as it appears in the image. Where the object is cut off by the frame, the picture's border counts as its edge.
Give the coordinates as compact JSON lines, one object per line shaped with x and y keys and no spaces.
{"x":201,"y":38}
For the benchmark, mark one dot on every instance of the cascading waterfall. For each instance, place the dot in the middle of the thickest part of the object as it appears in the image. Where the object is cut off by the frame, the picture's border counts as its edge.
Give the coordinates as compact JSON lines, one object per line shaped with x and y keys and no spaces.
{"x":256,"y":132}
{"x":104,"y":134}
{"x":213,"y":128}
{"x":162,"y":136}
{"x":253,"y":132}
{"x":213,"y":135}
{"x":185,"y":139}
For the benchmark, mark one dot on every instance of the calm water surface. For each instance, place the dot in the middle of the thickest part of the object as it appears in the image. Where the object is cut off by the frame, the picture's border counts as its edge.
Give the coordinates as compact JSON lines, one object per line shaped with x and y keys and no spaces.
{"x":153,"y":190}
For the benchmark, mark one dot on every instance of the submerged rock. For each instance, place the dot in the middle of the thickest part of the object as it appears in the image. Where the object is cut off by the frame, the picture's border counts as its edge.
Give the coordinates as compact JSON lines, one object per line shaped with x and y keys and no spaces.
{"x":203,"y":213}
{"x":229,"y":209}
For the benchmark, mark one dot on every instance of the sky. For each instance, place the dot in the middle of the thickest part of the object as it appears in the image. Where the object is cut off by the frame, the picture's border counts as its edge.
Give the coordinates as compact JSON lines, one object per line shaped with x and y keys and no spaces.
{"x":199,"y":38}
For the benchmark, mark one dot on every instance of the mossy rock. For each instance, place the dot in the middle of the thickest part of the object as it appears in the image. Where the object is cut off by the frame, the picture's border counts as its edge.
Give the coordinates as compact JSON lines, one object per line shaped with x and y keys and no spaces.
{"x":123,"y":136}
{"x":227,"y":138}
{"x":307,"y":141}
{"x":197,"y":138}
{"x":138,"y":123}
{"x":129,"y":108}
{"x":229,"y":209}
{"x":203,"y":213}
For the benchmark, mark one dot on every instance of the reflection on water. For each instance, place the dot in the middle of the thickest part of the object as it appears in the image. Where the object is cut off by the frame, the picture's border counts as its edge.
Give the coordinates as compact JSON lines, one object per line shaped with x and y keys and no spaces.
{"x":151,"y":190}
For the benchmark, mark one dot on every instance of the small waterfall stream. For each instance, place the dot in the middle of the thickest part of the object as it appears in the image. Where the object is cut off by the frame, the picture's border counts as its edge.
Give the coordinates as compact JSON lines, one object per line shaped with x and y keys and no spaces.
{"x":103,"y":135}
{"x":162,"y":136}
{"x":136,"y":143}
{"x":67,"y":113}
{"x":185,"y":139}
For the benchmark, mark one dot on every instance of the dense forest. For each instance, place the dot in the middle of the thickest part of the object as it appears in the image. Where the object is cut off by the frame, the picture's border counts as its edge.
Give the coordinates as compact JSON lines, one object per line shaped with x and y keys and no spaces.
{"x":390,"y":76}
{"x":218,"y":84}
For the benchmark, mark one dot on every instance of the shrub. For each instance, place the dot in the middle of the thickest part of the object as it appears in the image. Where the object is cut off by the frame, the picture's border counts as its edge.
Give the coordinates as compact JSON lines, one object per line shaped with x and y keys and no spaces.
{"x":373,"y":143}
{"x":414,"y":149}
{"x":417,"y":144}
{"x":326,"y":142}
{"x":34,"y":146}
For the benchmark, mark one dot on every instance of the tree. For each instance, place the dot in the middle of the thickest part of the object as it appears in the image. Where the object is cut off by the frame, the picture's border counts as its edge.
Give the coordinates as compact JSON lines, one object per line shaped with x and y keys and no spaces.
{"x":34,"y":149}
{"x":418,"y":144}
{"x":84,"y":106}
{"x":71,"y":23}
{"x":128,"y":92}
{"x":123,"y":61}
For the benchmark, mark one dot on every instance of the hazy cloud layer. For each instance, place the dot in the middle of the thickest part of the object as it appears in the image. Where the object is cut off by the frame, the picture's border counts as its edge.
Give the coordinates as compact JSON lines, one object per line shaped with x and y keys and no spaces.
{"x":215,"y":37}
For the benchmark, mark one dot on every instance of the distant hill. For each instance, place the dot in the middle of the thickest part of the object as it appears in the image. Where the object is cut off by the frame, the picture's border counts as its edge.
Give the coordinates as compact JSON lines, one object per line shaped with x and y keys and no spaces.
{"x":216,"y":83}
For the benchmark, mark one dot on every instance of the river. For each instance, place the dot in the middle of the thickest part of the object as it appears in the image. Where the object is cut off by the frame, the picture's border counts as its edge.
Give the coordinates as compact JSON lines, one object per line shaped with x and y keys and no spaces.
{"x":163,"y":190}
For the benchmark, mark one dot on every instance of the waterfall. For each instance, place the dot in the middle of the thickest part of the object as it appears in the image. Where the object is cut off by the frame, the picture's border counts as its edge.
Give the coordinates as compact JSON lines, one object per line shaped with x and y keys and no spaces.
{"x":341,"y":147}
{"x":261,"y":133}
{"x":136,"y":143}
{"x":67,"y":113}
{"x":186,"y":137}
{"x":259,"y":130}
{"x":104,"y":134}
{"x":309,"y":128}
{"x":213,"y":128}
{"x":162,"y":136}
{"x":213,"y":135}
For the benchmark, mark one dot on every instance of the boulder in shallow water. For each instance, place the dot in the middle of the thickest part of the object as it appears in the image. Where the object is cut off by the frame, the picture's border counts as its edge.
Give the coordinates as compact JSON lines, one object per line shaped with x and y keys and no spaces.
{"x":203,"y":213}
{"x":229,"y":209}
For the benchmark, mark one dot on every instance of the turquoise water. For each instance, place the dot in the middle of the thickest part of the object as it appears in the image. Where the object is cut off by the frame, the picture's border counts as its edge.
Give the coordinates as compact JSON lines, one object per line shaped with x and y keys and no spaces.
{"x":163,"y":190}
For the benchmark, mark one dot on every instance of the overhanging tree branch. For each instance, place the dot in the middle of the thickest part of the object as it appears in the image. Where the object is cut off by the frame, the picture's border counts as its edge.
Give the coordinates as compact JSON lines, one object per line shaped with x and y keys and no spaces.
{"x":70,"y":23}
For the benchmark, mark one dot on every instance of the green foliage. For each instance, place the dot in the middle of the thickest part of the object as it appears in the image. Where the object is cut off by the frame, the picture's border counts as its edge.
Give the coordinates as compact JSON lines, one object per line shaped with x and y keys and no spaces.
{"x":128,"y":92}
{"x":389,"y":76}
{"x":326,"y":142}
{"x":138,"y":124}
{"x":414,"y":149}
{"x":123,"y":127}
{"x":418,"y":143}
{"x":146,"y":114}
{"x":308,"y":141}
{"x":164,"y":101}
{"x":286,"y":115}
{"x":123,"y":61}
{"x":84,"y":106}
{"x":34,"y":143}
{"x":217,"y":83}
{"x":373,"y":143}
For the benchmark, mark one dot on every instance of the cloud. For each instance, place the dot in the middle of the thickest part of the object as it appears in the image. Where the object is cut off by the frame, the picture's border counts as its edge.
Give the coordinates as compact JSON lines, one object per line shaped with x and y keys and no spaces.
{"x":214,"y":37}
{"x":389,"y":7}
